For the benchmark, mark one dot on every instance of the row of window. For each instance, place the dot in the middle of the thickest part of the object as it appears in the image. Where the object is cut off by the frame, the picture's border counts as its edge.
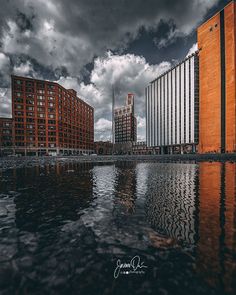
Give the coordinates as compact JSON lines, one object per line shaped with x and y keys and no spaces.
{"x":63,"y":101}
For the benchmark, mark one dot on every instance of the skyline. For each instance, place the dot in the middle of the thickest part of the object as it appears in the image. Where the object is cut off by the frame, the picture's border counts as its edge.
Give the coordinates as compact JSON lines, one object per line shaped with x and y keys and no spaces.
{"x":102,"y":44}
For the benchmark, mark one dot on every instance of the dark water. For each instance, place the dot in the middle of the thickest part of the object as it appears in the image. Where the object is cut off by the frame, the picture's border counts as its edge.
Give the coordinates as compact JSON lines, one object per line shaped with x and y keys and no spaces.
{"x":63,"y":228}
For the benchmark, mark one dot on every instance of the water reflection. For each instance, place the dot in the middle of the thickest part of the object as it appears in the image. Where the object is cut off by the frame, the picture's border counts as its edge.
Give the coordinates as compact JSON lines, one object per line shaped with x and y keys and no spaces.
{"x":217,"y":224}
{"x":125,"y":189}
{"x":50,"y":197}
{"x":171,"y":200}
{"x":196,"y":204}
{"x":63,"y":226}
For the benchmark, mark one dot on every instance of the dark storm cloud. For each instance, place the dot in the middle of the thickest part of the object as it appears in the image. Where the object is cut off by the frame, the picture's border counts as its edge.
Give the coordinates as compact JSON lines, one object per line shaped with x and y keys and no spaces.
{"x":69,"y":40}
{"x":71,"y":33}
{"x":23,"y":22}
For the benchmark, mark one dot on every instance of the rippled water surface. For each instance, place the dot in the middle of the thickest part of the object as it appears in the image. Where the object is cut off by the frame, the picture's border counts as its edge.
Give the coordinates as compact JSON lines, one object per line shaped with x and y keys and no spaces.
{"x":63,"y":228}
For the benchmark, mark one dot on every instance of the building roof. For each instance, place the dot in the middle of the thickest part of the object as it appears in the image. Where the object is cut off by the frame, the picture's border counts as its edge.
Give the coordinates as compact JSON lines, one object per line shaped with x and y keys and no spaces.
{"x":71,"y":91}
{"x":175,"y":66}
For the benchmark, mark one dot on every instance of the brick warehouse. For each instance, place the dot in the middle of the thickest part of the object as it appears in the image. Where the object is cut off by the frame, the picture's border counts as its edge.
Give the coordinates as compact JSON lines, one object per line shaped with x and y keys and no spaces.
{"x":49,"y":119}
{"x":6,"y":136}
{"x":217,"y":58}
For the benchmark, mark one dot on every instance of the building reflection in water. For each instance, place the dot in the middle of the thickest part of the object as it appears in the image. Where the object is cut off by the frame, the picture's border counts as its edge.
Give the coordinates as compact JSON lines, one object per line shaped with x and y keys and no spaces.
{"x":171,"y":202}
{"x":216,"y":247}
{"x":125,"y":188}
{"x":197,"y":204}
{"x":51,"y":194}
{"x":99,"y":214}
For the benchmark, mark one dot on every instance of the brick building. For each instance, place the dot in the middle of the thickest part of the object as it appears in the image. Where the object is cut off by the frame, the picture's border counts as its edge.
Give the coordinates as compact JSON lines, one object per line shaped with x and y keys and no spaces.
{"x":49,"y":119}
{"x":6,"y":147}
{"x":103,"y":147}
{"x":125,"y":122}
{"x":141,"y":148}
{"x":217,"y":70}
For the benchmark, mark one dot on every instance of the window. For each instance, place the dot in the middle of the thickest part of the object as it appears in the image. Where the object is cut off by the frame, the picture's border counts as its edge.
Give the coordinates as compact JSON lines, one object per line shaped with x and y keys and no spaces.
{"x":41,"y":121}
{"x":28,"y":101}
{"x":19,"y":113}
{"x":50,"y":86}
{"x":29,"y":89}
{"x":29,"y":95}
{"x":51,"y":122}
{"x":19,"y":82}
{"x":29,"y":126}
{"x":19,"y":100}
{"x":40,"y":85}
{"x":40,"y":97}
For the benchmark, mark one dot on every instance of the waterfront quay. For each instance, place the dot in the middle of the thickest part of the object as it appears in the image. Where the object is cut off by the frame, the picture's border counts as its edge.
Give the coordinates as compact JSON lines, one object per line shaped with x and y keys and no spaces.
{"x":11,"y":162}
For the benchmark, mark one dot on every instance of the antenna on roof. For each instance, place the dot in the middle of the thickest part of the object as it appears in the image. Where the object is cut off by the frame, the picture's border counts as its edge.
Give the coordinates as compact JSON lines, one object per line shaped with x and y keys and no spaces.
{"x":113,"y":103}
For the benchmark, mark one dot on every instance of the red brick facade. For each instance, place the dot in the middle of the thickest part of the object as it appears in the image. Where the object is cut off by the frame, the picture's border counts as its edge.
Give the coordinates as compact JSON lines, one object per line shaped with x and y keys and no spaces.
{"x":5,"y":136}
{"x":48,"y":118}
{"x":103,"y":147}
{"x":125,"y":122}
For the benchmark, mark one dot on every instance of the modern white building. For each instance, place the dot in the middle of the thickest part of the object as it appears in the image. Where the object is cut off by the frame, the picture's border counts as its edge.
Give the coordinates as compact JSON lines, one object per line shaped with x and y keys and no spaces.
{"x":172,"y":108}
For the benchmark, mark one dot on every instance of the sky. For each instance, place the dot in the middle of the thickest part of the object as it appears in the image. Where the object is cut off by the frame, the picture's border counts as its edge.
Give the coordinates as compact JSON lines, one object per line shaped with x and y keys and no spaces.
{"x":90,"y":45}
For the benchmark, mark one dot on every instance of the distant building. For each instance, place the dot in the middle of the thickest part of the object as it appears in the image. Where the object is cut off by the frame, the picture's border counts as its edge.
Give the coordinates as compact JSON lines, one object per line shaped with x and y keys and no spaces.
{"x":6,"y":139}
{"x":141,"y":148}
{"x":135,"y":148}
{"x":217,"y":71}
{"x":172,"y":104}
{"x":125,"y":122}
{"x":49,"y":119}
{"x":103,"y":147}
{"x":123,"y":148}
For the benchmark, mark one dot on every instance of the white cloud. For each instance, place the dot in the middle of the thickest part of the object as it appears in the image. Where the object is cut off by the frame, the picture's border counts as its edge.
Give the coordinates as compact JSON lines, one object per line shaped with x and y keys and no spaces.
{"x":103,"y":125}
{"x":193,"y":49}
{"x":25,"y":69}
{"x":141,"y":122}
{"x":128,"y":73}
{"x":70,"y":33}
{"x":5,"y":102}
{"x":141,"y":128}
{"x":4,"y":61}
{"x":103,"y":129}
{"x":4,"y":69}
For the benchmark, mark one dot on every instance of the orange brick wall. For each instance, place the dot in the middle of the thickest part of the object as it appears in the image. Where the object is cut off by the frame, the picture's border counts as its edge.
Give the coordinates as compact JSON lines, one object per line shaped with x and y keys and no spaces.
{"x":210,"y":83}
{"x":230,"y":75}
{"x":209,"y":86}
{"x":209,"y":220}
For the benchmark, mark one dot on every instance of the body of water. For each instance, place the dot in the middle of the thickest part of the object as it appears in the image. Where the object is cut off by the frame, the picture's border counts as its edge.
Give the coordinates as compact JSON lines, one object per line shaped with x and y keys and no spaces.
{"x":124,"y":228}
